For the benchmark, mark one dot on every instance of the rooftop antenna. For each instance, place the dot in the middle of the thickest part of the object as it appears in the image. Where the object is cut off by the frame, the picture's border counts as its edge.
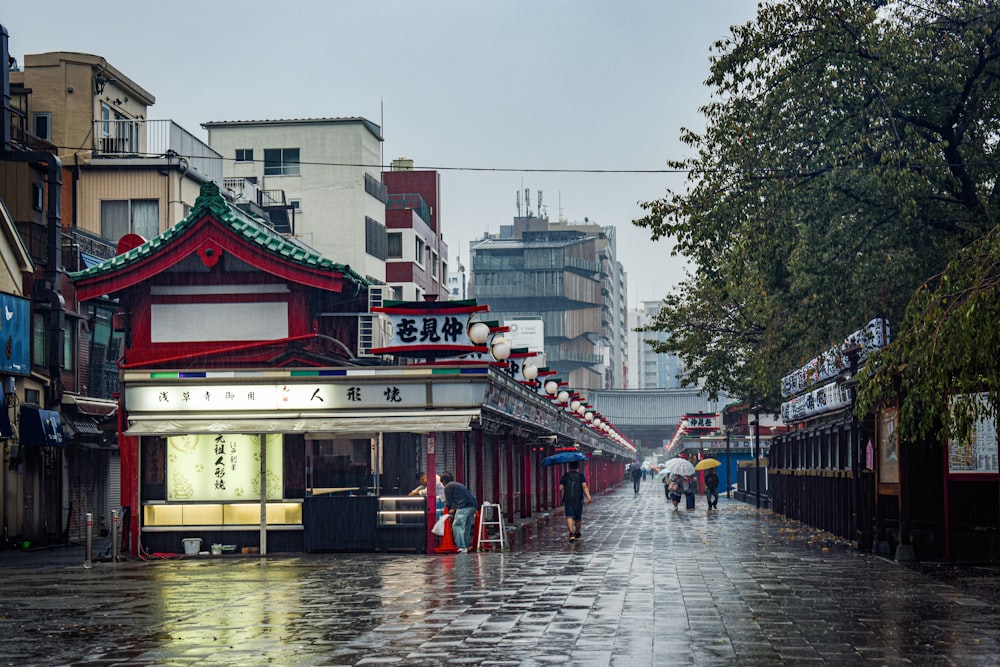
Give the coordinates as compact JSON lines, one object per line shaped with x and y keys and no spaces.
{"x":519,"y":203}
{"x":541,"y":214}
{"x":561,"y":217}
{"x":527,"y":202}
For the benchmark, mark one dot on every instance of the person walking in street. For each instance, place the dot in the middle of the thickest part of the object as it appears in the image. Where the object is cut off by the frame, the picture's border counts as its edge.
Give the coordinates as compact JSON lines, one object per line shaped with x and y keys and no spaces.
{"x":712,"y":489}
{"x":575,"y":491}
{"x":672,"y":487}
{"x":690,"y":487}
{"x":461,"y":504}
{"x":636,"y":477}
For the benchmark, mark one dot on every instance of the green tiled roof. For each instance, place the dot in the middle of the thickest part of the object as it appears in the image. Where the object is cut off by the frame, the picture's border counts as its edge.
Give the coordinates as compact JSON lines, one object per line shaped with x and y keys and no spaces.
{"x":210,"y":201}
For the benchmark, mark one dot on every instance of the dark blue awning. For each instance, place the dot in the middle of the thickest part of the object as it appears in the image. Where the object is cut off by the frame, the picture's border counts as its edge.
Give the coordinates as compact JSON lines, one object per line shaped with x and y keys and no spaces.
{"x":41,"y":428}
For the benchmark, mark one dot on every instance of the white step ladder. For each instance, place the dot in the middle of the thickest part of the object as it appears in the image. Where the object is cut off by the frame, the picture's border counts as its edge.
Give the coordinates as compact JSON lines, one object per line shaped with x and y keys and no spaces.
{"x":490,"y":516}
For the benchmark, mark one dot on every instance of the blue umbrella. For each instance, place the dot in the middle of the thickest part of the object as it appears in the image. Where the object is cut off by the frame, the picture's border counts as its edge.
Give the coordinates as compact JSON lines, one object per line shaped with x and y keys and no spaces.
{"x":563,"y":457}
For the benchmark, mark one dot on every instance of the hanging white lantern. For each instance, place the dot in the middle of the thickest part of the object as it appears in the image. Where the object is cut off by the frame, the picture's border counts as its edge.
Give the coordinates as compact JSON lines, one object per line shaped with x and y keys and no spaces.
{"x":563,"y":396}
{"x":581,"y":410}
{"x":551,"y":387}
{"x":500,"y":348}
{"x":479,"y":333}
{"x":588,"y":415}
{"x":597,"y":422}
{"x":529,"y":371}
{"x":574,"y":405}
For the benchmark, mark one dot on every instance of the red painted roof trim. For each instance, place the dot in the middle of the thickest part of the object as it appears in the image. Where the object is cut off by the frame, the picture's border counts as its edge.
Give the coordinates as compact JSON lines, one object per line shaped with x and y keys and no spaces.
{"x":206,"y":231}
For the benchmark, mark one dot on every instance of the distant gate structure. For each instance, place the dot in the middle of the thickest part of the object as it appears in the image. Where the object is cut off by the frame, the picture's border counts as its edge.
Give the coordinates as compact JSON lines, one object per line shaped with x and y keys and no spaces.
{"x":649,"y":417}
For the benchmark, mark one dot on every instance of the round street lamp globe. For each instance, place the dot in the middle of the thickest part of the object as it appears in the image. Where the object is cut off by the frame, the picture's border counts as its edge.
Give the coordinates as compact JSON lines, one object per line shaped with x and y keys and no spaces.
{"x":551,"y":387}
{"x":529,"y":371}
{"x":563,"y":396}
{"x":574,"y":405}
{"x":500,"y":348}
{"x":479,"y":332}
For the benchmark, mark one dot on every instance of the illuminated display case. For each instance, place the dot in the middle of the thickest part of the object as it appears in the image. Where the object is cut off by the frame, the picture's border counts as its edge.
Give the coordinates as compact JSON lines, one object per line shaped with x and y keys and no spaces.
{"x":402,"y":524}
{"x":402,"y":511}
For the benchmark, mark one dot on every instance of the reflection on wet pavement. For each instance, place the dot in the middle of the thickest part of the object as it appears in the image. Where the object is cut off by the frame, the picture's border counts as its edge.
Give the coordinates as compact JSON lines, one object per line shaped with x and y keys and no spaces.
{"x":645,"y":585}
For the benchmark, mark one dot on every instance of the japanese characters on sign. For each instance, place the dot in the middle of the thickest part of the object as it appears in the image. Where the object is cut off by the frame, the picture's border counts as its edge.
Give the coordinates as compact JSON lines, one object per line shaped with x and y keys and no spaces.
{"x":427,"y":329}
{"x":217,"y":467}
{"x":978,"y":452}
{"x":261,"y":397}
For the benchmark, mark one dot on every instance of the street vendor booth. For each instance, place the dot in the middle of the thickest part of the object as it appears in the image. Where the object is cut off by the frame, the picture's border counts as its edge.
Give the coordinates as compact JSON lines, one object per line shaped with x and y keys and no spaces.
{"x":287,"y":460}
{"x":248,"y":421}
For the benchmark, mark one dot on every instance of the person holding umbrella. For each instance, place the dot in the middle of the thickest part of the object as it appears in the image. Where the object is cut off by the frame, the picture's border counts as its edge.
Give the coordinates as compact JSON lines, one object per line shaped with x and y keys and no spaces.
{"x":573,"y":486}
{"x":672,"y":487}
{"x":711,"y":481}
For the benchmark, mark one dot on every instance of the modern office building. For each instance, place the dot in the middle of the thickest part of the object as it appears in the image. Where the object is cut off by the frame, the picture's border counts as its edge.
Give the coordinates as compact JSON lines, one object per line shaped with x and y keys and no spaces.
{"x":568,"y":275}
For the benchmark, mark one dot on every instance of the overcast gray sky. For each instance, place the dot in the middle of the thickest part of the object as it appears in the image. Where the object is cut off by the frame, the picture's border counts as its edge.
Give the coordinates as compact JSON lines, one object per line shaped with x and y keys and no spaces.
{"x":492,"y":94}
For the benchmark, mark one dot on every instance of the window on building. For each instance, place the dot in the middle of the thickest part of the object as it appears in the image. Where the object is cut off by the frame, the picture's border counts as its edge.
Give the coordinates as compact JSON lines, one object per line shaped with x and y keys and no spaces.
{"x":419,"y":252}
{"x":39,"y":337}
{"x":105,"y":120}
{"x":42,"y":125}
{"x":296,"y":204}
{"x":395,"y":245}
{"x":434,"y":265}
{"x":281,"y":161}
{"x":130,"y":216}
{"x":244,"y":155}
{"x":37,"y":197}
{"x":69,"y":346}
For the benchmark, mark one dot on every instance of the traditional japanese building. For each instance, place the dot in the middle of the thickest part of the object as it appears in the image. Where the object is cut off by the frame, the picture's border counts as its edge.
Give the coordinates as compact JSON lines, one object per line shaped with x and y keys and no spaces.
{"x":247,"y":417}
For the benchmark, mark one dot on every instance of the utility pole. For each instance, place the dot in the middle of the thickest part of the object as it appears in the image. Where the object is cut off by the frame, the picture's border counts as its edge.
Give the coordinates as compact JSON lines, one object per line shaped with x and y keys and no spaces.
{"x":756,"y":449}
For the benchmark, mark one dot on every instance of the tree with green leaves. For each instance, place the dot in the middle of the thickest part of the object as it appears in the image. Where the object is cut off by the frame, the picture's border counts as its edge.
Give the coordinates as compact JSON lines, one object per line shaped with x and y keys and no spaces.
{"x":850,"y":152}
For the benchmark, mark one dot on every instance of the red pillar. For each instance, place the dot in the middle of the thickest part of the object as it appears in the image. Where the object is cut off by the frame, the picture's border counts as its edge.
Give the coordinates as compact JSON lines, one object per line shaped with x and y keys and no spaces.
{"x":129,"y":452}
{"x":480,"y":466}
{"x":497,"y":469}
{"x":509,"y":465}
{"x":526,"y":486}
{"x":460,"y":458}
{"x":431,"y":468}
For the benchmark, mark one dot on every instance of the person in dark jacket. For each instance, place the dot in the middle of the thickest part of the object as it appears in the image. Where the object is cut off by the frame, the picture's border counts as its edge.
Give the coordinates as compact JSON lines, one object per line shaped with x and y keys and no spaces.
{"x":636,"y":476}
{"x":712,"y":489}
{"x":461,"y":504}
{"x":575,"y":492}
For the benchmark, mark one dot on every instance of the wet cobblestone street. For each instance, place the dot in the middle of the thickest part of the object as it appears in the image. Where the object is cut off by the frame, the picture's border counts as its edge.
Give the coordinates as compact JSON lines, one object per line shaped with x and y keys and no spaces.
{"x":645,"y":585}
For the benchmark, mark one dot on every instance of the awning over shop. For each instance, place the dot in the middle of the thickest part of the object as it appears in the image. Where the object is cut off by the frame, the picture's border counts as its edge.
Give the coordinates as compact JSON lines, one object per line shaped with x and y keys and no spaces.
{"x":80,"y":426}
{"x":354,"y":424}
{"x":41,"y":428}
{"x":95,"y":407}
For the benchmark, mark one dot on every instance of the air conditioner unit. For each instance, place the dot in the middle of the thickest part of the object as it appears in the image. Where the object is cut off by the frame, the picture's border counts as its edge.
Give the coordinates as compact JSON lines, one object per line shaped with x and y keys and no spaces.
{"x":374,"y":330}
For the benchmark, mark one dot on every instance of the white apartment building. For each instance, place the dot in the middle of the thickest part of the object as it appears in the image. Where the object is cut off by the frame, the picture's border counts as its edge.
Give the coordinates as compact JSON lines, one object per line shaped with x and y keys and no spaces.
{"x":649,"y":369}
{"x":329,"y":170}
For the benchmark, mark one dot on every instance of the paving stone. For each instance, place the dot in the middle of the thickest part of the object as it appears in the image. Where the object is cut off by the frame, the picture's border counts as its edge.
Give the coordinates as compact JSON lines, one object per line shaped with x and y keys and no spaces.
{"x":646,"y":585}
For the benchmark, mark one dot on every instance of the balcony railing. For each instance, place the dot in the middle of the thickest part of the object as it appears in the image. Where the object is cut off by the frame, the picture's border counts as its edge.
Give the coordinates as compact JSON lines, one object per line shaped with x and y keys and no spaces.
{"x":413,"y":201}
{"x":134,"y":138}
